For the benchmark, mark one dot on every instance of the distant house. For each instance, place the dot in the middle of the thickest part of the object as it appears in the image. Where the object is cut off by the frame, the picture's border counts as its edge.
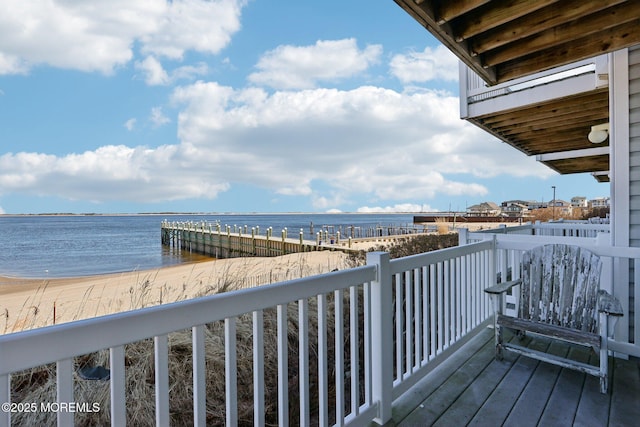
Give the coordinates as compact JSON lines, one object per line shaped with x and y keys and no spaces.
{"x":579,"y":202}
{"x":600,"y":202}
{"x":484,"y":209}
{"x":561,"y":207}
{"x":532,"y":204}
{"x":515,"y":209}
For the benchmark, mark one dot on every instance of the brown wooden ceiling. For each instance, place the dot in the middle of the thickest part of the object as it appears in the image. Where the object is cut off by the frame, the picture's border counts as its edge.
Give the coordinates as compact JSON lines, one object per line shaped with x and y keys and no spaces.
{"x":558,"y":125}
{"x":507,"y":39}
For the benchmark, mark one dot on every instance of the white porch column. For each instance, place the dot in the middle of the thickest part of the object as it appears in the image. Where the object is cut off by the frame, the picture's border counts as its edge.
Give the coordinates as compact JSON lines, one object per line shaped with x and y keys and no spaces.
{"x":620,"y":177}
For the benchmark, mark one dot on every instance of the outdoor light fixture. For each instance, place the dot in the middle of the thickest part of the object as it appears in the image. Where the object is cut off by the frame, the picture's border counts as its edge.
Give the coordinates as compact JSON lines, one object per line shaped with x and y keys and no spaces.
{"x":599,"y":133}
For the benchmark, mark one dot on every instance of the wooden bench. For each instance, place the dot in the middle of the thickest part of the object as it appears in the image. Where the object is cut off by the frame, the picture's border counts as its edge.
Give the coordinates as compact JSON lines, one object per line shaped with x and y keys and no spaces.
{"x":560,"y":298}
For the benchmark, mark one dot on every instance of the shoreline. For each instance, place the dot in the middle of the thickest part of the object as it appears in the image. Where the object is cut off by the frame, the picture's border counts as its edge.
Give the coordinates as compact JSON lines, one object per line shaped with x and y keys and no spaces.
{"x":31,"y":303}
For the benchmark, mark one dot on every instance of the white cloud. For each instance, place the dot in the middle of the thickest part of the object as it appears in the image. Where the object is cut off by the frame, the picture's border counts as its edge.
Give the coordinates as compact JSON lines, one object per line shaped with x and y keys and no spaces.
{"x":302,"y":67}
{"x":328,"y":145}
{"x":158,"y":118}
{"x":2,"y":211}
{"x":430,"y":64}
{"x":108,"y":173}
{"x":99,"y":35}
{"x":153,"y":71}
{"x":130,"y":124}
{"x":402,"y":207}
{"x":155,"y":74}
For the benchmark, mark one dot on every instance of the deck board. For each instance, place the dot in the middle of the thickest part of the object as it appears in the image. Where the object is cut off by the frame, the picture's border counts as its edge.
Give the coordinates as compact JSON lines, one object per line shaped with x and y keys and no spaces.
{"x":474,"y":389}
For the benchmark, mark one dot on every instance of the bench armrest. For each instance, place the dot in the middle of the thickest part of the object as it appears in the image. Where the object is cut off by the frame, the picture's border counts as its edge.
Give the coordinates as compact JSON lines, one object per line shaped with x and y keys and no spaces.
{"x":502,"y":287}
{"x":609,"y":304}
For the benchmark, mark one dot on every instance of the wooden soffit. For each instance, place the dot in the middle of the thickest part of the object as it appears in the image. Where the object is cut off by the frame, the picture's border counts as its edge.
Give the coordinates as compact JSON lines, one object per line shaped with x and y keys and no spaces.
{"x":559,"y":125}
{"x":504,"y":40}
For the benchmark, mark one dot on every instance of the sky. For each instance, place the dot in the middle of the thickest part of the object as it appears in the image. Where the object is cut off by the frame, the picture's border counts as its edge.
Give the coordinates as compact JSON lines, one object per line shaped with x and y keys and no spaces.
{"x":129,"y":106}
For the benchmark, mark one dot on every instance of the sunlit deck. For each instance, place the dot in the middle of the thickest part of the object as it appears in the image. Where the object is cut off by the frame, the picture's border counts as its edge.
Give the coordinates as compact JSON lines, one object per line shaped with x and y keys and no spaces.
{"x":472,"y":388}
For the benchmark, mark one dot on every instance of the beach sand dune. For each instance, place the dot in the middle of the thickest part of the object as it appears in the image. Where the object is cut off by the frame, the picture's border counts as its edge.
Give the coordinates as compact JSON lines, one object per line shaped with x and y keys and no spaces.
{"x":32,"y":303}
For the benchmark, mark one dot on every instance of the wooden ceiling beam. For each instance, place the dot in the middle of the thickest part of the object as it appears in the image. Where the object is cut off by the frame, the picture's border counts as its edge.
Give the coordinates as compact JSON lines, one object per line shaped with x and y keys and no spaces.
{"x":537,"y":22}
{"x":449,"y":10}
{"x":425,"y":16}
{"x":580,"y":165}
{"x":577,"y":49}
{"x":573,"y":136}
{"x":565,"y":107}
{"x":496,"y":14}
{"x":587,"y":117}
{"x":580,"y":29}
{"x":525,"y":130}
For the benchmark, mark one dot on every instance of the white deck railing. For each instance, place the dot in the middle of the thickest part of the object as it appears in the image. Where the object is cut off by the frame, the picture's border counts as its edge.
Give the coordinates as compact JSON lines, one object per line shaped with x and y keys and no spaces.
{"x":561,"y":228}
{"x":476,"y":98}
{"x":390,"y":321}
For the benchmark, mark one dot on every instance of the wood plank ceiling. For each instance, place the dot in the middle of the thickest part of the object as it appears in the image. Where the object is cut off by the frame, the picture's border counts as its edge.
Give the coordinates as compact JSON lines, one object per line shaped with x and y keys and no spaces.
{"x":508,"y":39}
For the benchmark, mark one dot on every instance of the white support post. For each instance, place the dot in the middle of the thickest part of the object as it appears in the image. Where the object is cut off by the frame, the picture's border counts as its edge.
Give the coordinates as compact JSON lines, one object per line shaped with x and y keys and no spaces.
{"x":199,"y":374}
{"x":5,"y":397}
{"x":620,"y":177}
{"x":64,"y":388}
{"x":463,"y":236}
{"x":258,"y":368}
{"x":161,"y":359}
{"x":283,"y":370}
{"x":230,"y":371}
{"x":381,"y":336}
{"x":117,"y":386}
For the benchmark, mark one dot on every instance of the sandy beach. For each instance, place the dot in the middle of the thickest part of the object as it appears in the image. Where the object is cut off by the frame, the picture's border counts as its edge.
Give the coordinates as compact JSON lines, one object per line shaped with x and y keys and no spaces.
{"x":31,"y":303}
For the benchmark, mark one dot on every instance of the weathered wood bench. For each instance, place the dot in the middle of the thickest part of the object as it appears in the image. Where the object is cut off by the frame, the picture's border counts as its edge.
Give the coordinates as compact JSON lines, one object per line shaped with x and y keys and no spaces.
{"x":559,"y":298}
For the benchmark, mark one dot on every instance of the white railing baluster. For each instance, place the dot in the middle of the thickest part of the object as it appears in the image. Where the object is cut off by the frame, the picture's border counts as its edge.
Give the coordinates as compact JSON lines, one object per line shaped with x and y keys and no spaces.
{"x":441,"y":324}
{"x":433,"y":308}
{"x":446,"y":285}
{"x":161,"y":359}
{"x":230,"y":371}
{"x":355,"y":349}
{"x":303,"y":360}
{"x":5,"y":397}
{"x":283,"y":371}
{"x":469,"y":291}
{"x":64,"y":389}
{"x":339,"y":355}
{"x":408,"y":334}
{"x":323,"y":382}
{"x":458,"y":280}
{"x":417,"y":314}
{"x":399,"y":329}
{"x":117,"y":386}
{"x":426,"y":324}
{"x":366,"y":296}
{"x":258,"y":369}
{"x":199,"y":377}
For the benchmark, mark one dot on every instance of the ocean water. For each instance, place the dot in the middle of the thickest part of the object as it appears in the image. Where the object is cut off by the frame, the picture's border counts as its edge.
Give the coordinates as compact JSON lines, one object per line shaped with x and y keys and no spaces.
{"x":38,"y":246}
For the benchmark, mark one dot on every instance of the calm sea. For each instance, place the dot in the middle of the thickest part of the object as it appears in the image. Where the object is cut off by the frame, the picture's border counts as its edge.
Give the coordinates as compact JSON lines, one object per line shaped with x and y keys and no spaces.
{"x":66,"y":246}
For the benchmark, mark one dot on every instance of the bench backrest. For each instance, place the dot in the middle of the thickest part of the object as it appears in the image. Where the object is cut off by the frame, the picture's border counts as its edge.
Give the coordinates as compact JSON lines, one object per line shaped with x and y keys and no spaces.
{"x":560,"y":286}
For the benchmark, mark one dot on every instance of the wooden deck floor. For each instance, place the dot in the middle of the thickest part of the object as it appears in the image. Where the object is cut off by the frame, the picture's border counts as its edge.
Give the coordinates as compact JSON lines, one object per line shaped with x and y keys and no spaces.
{"x":472,"y":388}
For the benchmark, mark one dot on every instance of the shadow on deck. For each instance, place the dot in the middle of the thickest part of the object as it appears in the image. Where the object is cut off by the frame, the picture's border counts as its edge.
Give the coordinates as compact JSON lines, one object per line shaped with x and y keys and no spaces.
{"x":471,"y":388}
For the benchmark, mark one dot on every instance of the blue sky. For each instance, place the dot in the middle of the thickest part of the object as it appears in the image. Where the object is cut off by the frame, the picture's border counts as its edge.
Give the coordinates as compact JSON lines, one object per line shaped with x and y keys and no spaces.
{"x":242,"y":106}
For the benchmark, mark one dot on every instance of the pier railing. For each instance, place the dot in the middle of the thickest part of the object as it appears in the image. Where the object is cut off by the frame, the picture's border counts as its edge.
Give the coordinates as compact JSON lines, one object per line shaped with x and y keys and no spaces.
{"x":225,"y":241}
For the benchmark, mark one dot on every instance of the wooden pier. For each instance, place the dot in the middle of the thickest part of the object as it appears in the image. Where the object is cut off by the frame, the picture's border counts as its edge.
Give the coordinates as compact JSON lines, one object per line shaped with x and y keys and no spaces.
{"x":225,"y":242}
